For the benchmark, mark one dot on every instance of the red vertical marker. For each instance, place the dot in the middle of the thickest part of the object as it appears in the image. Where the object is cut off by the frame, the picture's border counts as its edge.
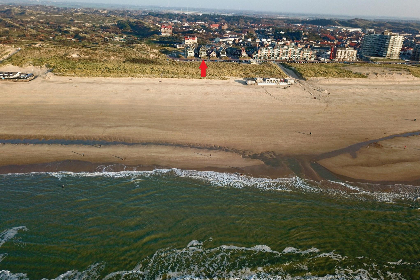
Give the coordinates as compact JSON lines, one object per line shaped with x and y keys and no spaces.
{"x":203,"y":68}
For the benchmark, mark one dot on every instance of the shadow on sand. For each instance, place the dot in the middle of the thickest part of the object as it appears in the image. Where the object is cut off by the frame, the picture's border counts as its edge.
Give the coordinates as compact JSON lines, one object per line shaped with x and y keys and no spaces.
{"x":243,"y":82}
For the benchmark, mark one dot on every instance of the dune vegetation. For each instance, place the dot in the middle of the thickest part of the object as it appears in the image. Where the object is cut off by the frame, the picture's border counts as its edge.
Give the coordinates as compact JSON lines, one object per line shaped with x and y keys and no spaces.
{"x":401,"y":68}
{"x":4,"y":51}
{"x":415,"y":71}
{"x":140,"y":60}
{"x":353,"y":70}
{"x":327,"y":70}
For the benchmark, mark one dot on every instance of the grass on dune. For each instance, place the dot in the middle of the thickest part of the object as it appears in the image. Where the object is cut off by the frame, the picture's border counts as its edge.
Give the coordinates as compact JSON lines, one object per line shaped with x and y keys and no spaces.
{"x":134,"y":61}
{"x":327,"y":70}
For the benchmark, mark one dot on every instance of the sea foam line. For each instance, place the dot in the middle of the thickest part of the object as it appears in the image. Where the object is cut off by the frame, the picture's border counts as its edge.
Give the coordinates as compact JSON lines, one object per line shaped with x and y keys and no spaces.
{"x":235,"y":180}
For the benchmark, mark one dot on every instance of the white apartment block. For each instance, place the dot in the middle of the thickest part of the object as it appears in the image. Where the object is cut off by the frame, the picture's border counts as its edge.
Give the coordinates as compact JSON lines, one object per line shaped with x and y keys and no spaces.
{"x":345,"y":54}
{"x":395,"y":46}
{"x":284,"y":52}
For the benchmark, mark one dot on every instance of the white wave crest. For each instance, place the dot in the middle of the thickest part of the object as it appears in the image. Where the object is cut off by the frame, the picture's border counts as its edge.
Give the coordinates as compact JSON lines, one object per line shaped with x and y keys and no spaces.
{"x":235,"y":180}
{"x":229,"y":262}
{"x":331,"y":255}
{"x":233,"y":262}
{"x":7,"y":275}
{"x":10,"y":233}
{"x":91,"y":273}
{"x":292,"y":250}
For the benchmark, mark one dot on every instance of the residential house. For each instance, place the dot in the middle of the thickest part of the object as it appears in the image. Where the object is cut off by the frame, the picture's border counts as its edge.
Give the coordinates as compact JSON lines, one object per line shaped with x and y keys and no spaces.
{"x":190,"y":40}
{"x":221,"y":51}
{"x":212,"y":53}
{"x":243,"y":52}
{"x":166,"y":30}
{"x":202,"y":52}
{"x":190,"y":51}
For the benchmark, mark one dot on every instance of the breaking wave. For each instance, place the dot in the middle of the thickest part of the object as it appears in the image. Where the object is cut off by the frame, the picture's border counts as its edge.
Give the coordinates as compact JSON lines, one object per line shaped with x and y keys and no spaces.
{"x":233,"y":262}
{"x":360,"y":191}
{"x":9,"y":234}
{"x":5,"y":236}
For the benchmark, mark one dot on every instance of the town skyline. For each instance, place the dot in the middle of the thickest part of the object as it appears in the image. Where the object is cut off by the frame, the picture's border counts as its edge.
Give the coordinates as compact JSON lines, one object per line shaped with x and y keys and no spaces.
{"x":357,"y":8}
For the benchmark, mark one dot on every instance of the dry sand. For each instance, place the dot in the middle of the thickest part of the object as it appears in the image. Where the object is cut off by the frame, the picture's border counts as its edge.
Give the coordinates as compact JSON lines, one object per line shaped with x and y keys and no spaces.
{"x":240,"y":126}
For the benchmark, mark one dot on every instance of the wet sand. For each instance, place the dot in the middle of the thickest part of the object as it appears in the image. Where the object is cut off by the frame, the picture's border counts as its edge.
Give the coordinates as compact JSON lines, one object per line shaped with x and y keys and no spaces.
{"x":179,"y":123}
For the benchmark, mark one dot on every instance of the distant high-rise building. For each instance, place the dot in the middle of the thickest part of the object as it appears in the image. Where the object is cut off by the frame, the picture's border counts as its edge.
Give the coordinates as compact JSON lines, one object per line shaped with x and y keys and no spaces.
{"x":387,"y":45}
{"x":416,"y":53}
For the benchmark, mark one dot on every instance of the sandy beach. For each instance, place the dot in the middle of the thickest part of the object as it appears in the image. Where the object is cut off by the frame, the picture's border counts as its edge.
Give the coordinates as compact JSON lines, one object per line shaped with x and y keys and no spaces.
{"x":217,"y":125}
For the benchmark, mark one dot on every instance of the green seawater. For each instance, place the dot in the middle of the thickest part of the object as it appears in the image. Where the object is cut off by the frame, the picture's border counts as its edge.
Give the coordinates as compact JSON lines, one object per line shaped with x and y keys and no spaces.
{"x":163,"y":224}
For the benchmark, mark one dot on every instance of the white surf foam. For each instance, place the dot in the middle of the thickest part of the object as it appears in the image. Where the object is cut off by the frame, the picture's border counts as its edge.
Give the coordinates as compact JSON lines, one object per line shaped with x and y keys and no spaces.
{"x":233,"y":262}
{"x":292,"y":250}
{"x":229,"y":262}
{"x":7,"y":275}
{"x":5,"y":236}
{"x":10,"y":233}
{"x":235,"y":180}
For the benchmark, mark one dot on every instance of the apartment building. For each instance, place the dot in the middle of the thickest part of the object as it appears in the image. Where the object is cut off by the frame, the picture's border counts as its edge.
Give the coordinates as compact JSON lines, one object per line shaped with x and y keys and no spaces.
{"x":416,"y":53}
{"x":291,"y":51}
{"x":386,"y":45}
{"x":344,"y":54}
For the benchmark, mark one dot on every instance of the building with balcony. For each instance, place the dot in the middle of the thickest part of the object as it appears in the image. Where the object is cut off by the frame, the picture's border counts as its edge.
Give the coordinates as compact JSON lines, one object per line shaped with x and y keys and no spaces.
{"x":386,"y":45}
{"x":416,"y":53}
{"x":344,"y":54}
{"x":290,"y":51}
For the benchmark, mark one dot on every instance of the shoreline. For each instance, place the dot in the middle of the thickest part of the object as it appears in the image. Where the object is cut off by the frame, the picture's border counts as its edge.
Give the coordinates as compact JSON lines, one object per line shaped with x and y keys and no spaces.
{"x":82,"y":167}
{"x":258,"y":166}
{"x":26,"y":157}
{"x":262,"y":131}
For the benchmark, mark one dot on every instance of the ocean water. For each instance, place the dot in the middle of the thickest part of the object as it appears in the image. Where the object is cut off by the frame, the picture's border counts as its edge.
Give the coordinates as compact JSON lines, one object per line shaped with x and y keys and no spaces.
{"x":177,"y":224}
